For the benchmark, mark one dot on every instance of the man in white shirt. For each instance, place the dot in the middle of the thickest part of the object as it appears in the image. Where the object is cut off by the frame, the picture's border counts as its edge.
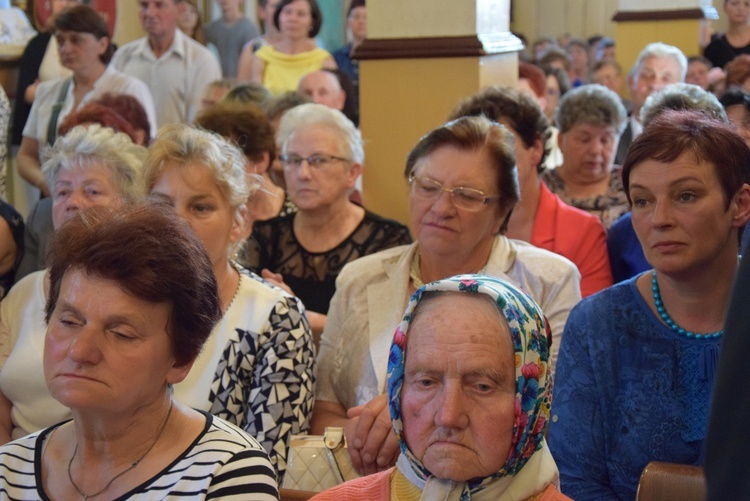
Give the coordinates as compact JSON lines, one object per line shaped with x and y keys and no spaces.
{"x":175,"y":67}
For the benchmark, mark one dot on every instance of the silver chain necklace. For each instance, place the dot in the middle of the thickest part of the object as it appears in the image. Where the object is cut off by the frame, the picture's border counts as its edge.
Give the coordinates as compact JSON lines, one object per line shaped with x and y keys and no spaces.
{"x":135,"y":463}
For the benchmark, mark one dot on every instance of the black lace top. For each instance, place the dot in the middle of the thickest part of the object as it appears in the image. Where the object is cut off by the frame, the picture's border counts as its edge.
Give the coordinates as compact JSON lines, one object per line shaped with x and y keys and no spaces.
{"x":312,"y":275}
{"x":15,"y":223}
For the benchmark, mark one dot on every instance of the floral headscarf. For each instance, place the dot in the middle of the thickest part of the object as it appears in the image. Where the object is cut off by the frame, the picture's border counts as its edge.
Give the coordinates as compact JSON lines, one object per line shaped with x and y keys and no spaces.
{"x":530,"y":335}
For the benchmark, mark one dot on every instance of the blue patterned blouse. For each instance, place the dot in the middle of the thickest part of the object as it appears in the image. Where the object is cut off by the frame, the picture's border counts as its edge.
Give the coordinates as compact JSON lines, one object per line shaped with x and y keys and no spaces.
{"x":628,"y":390}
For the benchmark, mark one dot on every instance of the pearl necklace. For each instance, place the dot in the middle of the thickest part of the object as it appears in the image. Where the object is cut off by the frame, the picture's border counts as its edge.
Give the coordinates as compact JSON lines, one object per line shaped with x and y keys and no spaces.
{"x":133,"y":465}
{"x":668,"y":320}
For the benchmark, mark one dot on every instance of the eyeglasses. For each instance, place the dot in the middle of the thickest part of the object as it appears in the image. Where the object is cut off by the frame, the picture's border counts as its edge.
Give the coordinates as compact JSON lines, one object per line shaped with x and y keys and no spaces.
{"x":315,"y":161}
{"x":464,"y":198}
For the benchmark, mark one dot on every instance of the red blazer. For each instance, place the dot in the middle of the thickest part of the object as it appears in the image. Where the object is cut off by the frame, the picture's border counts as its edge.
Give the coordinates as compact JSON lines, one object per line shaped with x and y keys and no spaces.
{"x":576,"y":235}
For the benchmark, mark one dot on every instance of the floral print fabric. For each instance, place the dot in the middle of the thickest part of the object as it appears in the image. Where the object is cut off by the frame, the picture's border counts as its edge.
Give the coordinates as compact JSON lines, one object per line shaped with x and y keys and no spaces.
{"x":531,"y":340}
{"x":608,"y":207}
{"x":628,"y":390}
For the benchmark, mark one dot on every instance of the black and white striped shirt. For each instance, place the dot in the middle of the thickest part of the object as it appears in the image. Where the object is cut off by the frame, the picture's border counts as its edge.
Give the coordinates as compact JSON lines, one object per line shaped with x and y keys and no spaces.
{"x":223,"y":463}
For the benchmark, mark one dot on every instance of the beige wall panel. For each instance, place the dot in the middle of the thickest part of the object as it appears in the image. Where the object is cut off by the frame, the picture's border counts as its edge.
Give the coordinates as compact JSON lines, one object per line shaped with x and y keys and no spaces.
{"x":599,"y":18}
{"x":611,"y":10}
{"x":128,"y":26}
{"x":719,"y":25}
{"x":536,"y":18}
{"x":401,"y":100}
{"x":575,"y":17}
{"x":551,"y":21}
{"x":525,"y":15}
{"x":425,"y":18}
{"x":683,"y":34}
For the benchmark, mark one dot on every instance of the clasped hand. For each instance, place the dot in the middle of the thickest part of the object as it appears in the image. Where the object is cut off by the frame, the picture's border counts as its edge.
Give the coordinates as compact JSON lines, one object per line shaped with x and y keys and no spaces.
{"x":370,"y":438}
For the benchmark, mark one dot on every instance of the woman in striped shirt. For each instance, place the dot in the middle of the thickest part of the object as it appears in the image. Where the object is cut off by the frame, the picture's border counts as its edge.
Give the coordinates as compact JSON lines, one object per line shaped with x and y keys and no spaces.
{"x":132,"y":300}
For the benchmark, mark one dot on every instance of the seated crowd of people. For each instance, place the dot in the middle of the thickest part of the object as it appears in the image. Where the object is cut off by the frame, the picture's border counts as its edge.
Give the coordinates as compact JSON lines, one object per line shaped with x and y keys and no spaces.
{"x":201,"y":279}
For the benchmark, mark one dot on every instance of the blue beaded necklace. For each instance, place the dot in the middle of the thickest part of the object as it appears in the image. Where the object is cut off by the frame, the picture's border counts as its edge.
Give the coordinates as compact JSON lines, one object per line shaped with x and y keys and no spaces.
{"x":668,"y":320}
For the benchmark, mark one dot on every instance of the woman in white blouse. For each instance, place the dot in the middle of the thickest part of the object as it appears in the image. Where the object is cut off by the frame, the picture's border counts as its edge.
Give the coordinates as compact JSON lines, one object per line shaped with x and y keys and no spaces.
{"x":85,"y":48}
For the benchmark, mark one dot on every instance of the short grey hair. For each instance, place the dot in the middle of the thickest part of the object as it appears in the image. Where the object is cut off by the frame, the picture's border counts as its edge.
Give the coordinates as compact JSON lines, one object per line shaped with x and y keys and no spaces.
{"x":682,"y":96}
{"x":93,"y":144}
{"x":591,"y":104}
{"x":184,"y":145}
{"x":318,"y":115}
{"x":659,"y":49}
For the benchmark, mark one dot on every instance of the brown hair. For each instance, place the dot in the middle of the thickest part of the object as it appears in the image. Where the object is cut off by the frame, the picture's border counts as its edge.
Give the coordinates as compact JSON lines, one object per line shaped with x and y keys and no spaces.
{"x":317,"y":16}
{"x":738,"y":70}
{"x":672,"y":133}
{"x":556,"y":54}
{"x":279,"y":105}
{"x":535,"y":76}
{"x":95,"y":113}
{"x":245,"y":124}
{"x":476,"y":134}
{"x":84,"y":19}
{"x":521,"y":113}
{"x":163,"y":262}
{"x":130,"y":109}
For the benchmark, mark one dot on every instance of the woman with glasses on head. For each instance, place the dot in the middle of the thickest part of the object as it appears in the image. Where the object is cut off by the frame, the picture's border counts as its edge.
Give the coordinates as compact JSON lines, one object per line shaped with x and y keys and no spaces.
{"x":304,"y":252}
{"x":463,"y":186}
{"x":257,"y":367}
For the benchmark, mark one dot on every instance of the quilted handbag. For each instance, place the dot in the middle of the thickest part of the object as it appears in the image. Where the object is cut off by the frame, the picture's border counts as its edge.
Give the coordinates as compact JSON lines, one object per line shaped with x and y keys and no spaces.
{"x":316,"y":463}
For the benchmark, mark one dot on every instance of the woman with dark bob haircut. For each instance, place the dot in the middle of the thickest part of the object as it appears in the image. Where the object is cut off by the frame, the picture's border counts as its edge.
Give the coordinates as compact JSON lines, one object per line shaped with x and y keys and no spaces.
{"x":125,"y":323}
{"x":638,"y":360}
{"x":85,"y":48}
{"x":280,"y":66}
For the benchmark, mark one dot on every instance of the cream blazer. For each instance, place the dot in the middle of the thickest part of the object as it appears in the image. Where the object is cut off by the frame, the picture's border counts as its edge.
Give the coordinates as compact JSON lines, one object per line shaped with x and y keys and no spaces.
{"x":372,"y":293}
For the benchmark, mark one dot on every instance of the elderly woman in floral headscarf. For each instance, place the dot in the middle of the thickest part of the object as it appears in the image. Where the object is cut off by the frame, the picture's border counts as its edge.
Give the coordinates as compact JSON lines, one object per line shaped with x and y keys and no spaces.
{"x":469,"y":395}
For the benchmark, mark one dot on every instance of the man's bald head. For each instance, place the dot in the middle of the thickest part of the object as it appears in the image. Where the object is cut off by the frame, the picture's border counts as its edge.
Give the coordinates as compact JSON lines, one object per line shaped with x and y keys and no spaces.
{"x":324,"y":88}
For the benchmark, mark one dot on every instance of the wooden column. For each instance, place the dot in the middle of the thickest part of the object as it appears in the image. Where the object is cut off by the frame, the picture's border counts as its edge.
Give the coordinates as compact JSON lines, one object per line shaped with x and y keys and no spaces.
{"x":420,"y":59}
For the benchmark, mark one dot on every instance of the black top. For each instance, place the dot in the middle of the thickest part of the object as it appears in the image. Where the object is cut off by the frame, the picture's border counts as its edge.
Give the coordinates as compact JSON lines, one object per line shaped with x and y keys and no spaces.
{"x":727,"y":440}
{"x":312,"y":275}
{"x":719,"y":52}
{"x":28,"y":72}
{"x":15,"y":222}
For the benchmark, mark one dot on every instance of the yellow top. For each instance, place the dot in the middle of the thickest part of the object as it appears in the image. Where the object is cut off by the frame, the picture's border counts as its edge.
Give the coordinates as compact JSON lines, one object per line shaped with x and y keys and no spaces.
{"x":402,"y":489}
{"x":283,"y":72}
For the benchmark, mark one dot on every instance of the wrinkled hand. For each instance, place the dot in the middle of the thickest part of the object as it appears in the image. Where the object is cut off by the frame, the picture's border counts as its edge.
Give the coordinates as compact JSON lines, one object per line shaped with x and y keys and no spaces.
{"x":370,"y":438}
{"x":276,"y":279}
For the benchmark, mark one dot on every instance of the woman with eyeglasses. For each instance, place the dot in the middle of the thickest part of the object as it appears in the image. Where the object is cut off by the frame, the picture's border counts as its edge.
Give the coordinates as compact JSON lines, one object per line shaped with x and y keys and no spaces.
{"x":463,"y":186}
{"x":304,"y":252}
